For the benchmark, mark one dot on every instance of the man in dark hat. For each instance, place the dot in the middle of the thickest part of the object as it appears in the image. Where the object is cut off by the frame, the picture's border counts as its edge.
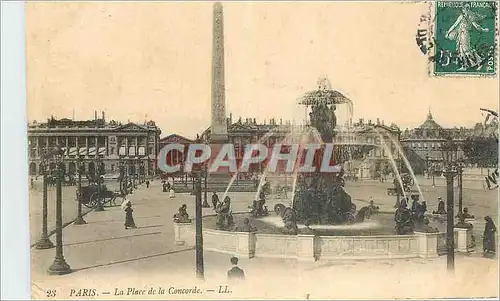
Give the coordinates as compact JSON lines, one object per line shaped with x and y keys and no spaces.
{"x":235,"y":273}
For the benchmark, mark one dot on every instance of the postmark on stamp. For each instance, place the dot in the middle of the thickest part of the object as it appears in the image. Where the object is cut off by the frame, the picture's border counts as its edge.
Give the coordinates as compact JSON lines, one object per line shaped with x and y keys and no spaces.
{"x":464,"y":36}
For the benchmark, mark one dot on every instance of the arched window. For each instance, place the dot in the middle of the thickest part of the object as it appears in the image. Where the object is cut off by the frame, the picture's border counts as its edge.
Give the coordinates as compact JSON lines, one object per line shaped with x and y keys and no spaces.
{"x":32,"y":168}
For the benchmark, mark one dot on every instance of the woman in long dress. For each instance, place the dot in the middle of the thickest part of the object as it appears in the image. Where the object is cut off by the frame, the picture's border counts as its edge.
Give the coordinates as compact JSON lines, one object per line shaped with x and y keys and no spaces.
{"x":129,"y":218}
{"x":460,"y":32}
{"x":489,"y":245}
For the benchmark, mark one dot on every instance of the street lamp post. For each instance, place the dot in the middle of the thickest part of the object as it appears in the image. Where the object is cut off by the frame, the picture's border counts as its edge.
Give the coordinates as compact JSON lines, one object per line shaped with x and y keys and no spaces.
{"x":79,"y":218}
{"x":460,"y":188}
{"x":427,"y":166}
{"x":44,"y":242}
{"x":122,"y":175}
{"x":200,"y":273}
{"x":449,"y":150}
{"x":433,"y":175}
{"x":205,"y":188}
{"x":59,"y":266}
{"x":98,"y":167}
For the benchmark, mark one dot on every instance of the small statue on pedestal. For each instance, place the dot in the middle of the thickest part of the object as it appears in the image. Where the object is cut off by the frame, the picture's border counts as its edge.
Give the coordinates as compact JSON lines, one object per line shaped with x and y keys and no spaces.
{"x":258,"y":208}
{"x":427,"y":228}
{"x":225,"y":219}
{"x":402,"y":217}
{"x":289,"y":217}
{"x":182,"y":216}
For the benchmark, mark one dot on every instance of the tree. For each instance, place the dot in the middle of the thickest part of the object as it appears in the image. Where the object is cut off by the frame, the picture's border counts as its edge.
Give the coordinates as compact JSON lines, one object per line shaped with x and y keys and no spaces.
{"x":482,"y":151}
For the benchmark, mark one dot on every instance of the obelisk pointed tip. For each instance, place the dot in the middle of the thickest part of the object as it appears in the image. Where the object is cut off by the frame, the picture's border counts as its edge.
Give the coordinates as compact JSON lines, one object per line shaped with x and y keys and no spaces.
{"x":218,"y":6}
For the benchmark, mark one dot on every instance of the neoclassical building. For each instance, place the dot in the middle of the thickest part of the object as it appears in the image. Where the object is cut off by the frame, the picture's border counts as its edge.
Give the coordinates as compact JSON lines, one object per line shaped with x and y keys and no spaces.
{"x":364,"y":151}
{"x":248,"y":131}
{"x":135,"y":144}
{"x":423,"y":143}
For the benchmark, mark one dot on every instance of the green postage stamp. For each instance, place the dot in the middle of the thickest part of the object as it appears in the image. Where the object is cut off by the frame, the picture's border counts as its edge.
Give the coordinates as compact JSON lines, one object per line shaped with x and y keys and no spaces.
{"x":465,"y":35}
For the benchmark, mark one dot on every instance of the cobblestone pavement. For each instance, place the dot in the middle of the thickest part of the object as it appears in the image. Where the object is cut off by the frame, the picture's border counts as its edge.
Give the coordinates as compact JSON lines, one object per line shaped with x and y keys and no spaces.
{"x":106,"y":257}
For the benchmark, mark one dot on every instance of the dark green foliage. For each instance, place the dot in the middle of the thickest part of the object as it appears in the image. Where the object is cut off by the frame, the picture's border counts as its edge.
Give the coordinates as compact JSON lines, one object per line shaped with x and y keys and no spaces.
{"x":481,"y":150}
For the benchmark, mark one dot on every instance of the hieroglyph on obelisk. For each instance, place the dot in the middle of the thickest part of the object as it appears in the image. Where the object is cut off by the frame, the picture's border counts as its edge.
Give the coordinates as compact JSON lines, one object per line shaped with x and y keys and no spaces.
{"x":219,"y":125}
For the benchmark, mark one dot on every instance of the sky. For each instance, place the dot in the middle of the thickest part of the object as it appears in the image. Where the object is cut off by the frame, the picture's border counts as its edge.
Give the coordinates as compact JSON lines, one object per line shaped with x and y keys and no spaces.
{"x":142,"y":61}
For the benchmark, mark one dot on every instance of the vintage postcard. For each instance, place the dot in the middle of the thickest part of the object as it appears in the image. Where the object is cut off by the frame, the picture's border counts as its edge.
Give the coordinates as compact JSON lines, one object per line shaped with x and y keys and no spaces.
{"x":263,"y":150}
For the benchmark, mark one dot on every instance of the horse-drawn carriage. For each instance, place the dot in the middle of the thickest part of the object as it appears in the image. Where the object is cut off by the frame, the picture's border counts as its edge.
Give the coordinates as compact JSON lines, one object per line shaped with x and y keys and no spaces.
{"x":90,"y":195}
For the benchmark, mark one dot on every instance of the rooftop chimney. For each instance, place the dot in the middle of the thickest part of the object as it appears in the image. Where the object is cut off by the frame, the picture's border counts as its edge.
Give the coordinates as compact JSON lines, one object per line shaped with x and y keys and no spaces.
{"x":382,"y":122}
{"x":255,"y":121}
{"x":378,"y":121}
{"x":103,"y":116}
{"x":95,"y":115}
{"x":281,"y":121}
{"x":369,"y":121}
{"x":361,"y":121}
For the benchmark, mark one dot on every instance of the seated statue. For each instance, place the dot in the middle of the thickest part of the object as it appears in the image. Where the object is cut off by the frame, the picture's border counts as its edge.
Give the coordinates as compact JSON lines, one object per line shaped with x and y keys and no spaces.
{"x":465,"y":214}
{"x":363,"y":213}
{"x":462,"y":216}
{"x":427,"y":228}
{"x":246,"y":227}
{"x":290,"y":220}
{"x":402,"y":217}
{"x":258,"y":208}
{"x":182,"y":216}
{"x":441,"y":208}
{"x":224,"y":215}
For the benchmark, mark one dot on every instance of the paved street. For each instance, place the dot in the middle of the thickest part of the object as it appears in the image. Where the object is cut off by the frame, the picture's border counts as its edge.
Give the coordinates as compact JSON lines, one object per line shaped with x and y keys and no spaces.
{"x":70,"y":206}
{"x":105,"y":256}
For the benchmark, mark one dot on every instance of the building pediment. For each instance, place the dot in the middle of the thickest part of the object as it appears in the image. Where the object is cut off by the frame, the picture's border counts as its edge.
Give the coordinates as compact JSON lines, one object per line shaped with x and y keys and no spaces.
{"x":174,"y":138}
{"x":131,"y":127}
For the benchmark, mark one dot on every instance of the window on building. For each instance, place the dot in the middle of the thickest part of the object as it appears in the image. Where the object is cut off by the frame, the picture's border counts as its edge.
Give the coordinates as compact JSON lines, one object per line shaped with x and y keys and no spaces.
{"x":113,"y":150}
{"x":112,"y":168}
{"x":425,"y":145}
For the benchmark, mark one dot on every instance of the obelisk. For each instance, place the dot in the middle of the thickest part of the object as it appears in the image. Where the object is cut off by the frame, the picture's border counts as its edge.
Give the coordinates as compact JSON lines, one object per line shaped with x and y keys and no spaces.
{"x":219,"y":125}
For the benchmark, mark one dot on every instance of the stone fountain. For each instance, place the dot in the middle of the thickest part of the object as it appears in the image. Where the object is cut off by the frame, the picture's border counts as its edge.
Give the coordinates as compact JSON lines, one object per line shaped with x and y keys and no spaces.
{"x":319,"y":198}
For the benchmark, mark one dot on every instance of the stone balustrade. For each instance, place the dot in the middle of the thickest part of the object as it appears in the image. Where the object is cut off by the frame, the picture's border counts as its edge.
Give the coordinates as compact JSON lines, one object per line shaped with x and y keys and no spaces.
{"x":311,"y":248}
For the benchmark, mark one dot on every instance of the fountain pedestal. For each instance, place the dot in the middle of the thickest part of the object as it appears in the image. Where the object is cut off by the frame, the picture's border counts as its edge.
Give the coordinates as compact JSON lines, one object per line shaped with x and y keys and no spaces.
{"x":465,"y":241}
{"x":428,"y":244}
{"x":305,"y":248}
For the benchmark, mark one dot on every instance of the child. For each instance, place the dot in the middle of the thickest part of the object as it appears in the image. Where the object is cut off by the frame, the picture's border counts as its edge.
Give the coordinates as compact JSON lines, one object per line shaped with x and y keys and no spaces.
{"x":129,"y":219}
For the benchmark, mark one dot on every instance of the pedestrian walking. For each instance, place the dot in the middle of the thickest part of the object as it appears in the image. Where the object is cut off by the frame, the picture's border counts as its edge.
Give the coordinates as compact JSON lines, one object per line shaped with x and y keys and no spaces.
{"x":215,"y":199}
{"x":235,"y":273}
{"x":129,"y":218}
{"x":171,"y":193}
{"x":147,"y":183}
{"x":489,"y":236}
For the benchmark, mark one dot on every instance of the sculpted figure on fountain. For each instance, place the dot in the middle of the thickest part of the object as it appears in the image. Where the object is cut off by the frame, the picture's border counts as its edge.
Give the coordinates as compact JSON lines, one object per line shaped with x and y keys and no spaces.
{"x":225,"y":219}
{"x":403,"y":219}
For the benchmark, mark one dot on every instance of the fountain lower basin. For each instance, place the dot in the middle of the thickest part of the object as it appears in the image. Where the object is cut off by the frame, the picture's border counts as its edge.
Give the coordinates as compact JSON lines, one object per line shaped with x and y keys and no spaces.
{"x":311,"y":247}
